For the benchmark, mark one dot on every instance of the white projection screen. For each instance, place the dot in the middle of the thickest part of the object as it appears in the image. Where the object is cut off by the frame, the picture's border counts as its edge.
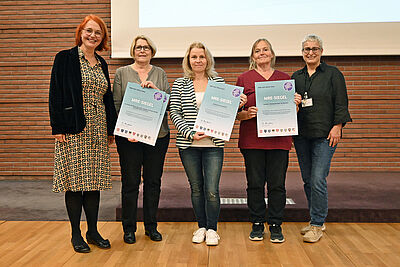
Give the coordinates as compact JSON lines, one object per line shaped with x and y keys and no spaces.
{"x":229,"y":27}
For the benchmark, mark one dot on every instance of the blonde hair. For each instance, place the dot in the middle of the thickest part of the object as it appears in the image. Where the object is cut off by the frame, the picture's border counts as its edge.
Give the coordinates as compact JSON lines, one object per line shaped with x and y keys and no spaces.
{"x":148,"y":40}
{"x":252,"y":62}
{"x":187,"y":69}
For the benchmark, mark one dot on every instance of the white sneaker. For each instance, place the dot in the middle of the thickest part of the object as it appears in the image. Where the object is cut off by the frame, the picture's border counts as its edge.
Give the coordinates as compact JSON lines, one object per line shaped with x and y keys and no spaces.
{"x":307,"y":228}
{"x":199,"y":235}
{"x":212,"y":238}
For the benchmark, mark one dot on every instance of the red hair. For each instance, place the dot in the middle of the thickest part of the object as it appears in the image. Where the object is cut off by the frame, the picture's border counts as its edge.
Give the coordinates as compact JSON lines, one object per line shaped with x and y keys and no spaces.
{"x":104,"y":42}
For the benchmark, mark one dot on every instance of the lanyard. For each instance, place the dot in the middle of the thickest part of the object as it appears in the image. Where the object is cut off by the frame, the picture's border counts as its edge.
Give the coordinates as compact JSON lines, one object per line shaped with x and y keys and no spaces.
{"x":308,"y":82}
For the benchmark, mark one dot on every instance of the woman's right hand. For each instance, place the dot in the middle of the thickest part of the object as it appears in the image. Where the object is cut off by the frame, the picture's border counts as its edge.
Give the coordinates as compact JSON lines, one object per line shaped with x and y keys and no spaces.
{"x":60,"y":137}
{"x":133,"y":140}
{"x":243,"y":100}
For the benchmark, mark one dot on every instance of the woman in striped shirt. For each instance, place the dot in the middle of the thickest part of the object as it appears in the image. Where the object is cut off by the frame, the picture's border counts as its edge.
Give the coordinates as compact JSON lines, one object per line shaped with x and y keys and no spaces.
{"x":201,"y":155}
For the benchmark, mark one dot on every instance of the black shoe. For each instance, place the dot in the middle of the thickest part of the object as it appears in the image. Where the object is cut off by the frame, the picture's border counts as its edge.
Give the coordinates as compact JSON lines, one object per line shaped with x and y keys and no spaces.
{"x":129,"y":238}
{"x":80,"y":246}
{"x":276,"y":234}
{"x":154,"y":235}
{"x":97,"y":240}
{"x":257,"y":232}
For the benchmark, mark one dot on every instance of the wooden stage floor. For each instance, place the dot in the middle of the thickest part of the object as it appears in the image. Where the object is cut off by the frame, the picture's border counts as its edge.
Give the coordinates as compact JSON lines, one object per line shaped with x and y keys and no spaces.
{"x":47,"y":243}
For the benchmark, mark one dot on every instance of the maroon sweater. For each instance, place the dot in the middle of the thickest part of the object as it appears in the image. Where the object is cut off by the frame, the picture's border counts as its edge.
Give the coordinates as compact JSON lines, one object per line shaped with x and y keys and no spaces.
{"x":248,"y":128}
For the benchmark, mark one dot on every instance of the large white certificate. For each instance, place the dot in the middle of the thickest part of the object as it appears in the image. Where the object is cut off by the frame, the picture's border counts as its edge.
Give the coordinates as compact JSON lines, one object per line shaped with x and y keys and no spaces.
{"x":218,"y":110}
{"x":141,"y":114}
{"x":276,"y":114}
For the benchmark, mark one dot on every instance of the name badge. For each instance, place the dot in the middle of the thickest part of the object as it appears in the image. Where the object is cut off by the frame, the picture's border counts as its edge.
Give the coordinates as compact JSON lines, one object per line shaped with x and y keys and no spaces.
{"x":306,"y":102}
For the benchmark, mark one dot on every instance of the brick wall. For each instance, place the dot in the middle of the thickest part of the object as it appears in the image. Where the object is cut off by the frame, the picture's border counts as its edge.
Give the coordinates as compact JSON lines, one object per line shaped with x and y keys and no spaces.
{"x":32,"y":32}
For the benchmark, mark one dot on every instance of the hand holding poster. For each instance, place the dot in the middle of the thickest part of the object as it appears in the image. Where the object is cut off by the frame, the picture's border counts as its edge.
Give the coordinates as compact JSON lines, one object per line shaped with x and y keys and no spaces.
{"x":141,"y":113}
{"x":276,"y":114}
{"x":218,"y":110}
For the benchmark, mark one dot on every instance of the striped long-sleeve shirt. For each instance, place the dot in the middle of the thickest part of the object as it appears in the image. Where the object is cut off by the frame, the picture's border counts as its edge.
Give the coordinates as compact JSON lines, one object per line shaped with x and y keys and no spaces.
{"x":183,"y":111}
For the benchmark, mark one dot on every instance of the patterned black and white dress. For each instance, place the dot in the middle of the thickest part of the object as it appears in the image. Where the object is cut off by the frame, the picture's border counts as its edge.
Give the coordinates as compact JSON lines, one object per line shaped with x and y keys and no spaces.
{"x":83,"y":162}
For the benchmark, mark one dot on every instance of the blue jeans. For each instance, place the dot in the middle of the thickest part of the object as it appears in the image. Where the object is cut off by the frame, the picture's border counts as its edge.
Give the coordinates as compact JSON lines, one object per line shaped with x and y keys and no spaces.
{"x":203,"y":167}
{"x":314,"y":157}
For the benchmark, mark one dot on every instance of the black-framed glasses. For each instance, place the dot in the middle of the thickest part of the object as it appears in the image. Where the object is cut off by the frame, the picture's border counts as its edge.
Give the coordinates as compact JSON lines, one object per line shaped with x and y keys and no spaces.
{"x":144,"y":47}
{"x":90,"y":31}
{"x":307,"y":50}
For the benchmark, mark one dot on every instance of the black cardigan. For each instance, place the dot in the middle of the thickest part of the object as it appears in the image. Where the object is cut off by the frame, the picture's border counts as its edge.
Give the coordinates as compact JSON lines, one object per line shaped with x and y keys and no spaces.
{"x":65,"y":95}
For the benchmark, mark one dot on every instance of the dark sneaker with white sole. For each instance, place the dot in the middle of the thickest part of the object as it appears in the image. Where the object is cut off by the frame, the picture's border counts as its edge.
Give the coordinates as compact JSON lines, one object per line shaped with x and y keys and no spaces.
{"x":257,"y":232}
{"x":276,"y":234}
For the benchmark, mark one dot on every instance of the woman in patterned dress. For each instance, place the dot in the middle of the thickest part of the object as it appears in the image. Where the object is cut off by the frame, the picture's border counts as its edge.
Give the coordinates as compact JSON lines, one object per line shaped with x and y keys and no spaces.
{"x":82,"y":117}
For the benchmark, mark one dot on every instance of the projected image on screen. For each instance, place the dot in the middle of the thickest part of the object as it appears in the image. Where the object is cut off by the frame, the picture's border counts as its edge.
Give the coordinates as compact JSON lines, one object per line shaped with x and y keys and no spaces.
{"x":183,"y":13}
{"x":229,"y":27}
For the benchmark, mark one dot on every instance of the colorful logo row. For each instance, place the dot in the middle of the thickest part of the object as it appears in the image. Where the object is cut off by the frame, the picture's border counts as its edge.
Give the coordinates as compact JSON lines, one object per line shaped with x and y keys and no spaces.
{"x":278,"y":130}
{"x":211,"y":130}
{"x":133,"y":133}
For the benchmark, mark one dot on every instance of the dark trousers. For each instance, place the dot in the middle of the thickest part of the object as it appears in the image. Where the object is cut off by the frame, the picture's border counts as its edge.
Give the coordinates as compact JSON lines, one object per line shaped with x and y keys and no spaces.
{"x":266,"y":166}
{"x":134,"y":157}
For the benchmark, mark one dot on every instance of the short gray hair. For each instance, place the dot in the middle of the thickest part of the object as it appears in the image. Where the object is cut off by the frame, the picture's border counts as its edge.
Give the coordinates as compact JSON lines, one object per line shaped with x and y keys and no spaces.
{"x":312,"y":38}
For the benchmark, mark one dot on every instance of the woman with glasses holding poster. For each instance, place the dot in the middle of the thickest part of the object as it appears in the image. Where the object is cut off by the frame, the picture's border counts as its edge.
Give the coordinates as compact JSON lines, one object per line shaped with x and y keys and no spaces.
{"x":266,"y":158}
{"x":82,"y":117}
{"x":322,"y":114}
{"x":138,"y":159}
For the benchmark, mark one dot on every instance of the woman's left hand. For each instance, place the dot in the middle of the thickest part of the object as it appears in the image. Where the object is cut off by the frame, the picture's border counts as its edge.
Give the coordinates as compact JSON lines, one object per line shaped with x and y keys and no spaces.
{"x":199,"y":135}
{"x":149,"y":84}
{"x":243,"y":100}
{"x":110,"y":140}
{"x":335,"y":134}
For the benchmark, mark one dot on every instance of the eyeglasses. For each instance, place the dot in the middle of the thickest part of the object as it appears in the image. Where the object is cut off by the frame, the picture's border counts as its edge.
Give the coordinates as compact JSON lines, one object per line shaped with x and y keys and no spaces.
{"x":307,"y":50}
{"x":144,"y":47}
{"x":89,"y":31}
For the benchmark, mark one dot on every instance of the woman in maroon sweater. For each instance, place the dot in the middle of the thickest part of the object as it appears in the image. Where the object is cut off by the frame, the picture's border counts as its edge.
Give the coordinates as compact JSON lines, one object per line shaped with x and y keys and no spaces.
{"x":266,"y":158}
